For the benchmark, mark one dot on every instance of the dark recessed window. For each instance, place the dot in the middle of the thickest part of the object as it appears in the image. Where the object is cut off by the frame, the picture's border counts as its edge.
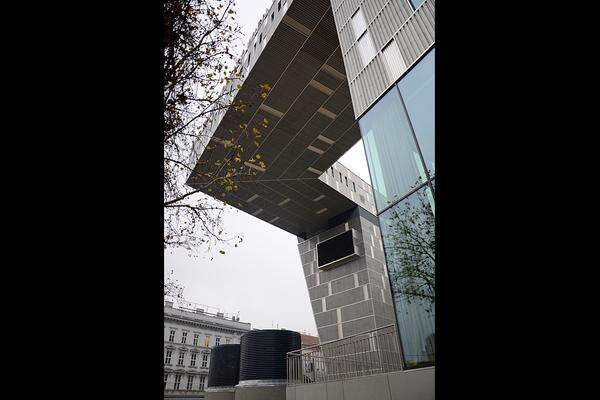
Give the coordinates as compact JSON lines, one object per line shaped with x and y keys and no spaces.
{"x":354,"y":186}
{"x":336,"y":248}
{"x":346,"y":178}
{"x":279,"y":6}
{"x":272,"y":16}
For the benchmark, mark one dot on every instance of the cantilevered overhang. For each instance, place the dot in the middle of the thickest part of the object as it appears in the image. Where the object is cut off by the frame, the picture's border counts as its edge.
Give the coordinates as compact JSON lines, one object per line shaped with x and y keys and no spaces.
{"x":311,"y":125}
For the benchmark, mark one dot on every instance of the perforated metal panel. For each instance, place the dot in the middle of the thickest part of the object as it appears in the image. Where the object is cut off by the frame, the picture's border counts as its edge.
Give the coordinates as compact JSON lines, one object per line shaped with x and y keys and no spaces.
{"x":413,"y":31}
{"x":319,"y":86}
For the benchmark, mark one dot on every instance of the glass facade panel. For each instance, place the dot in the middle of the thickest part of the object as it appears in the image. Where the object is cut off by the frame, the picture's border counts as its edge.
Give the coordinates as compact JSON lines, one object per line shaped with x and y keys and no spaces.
{"x":394,"y":130}
{"x":394,"y":162}
{"x":408,"y":230}
{"x":418,"y":92}
{"x":416,"y":3}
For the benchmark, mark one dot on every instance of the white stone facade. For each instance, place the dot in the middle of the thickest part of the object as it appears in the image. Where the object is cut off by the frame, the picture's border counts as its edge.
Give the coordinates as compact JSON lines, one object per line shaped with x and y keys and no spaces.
{"x":189,"y":336}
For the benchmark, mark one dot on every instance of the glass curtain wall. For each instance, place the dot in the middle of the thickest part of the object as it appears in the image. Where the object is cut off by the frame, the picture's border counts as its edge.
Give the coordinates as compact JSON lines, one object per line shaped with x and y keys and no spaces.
{"x":391,"y":151}
{"x":408,"y":229}
{"x":399,"y":138}
{"x":418,"y":93}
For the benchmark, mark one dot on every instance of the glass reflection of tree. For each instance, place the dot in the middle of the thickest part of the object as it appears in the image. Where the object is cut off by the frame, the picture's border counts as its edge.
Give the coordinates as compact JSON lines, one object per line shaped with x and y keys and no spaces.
{"x":430,"y":347}
{"x":411,"y":248}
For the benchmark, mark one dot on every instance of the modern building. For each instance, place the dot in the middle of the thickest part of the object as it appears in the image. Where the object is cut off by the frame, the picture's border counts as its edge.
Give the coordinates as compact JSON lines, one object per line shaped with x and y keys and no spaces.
{"x":339,"y":71}
{"x":308,"y":340}
{"x":191,"y":331}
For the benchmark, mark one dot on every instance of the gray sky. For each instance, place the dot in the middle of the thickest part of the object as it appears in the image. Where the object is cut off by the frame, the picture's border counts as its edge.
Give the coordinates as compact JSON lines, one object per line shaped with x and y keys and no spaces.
{"x":261,"y":279}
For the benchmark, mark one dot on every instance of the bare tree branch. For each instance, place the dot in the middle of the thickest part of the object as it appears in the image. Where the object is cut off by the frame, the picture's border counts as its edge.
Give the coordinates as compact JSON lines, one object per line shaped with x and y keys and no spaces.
{"x":202,"y":73}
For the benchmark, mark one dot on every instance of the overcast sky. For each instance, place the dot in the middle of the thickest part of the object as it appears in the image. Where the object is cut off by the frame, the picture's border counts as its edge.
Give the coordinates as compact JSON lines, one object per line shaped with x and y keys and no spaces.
{"x":262,"y":279}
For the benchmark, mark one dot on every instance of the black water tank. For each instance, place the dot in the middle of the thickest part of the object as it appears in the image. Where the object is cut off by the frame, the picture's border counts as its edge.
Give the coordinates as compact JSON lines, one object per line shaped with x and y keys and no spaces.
{"x":224,"y":366}
{"x":263,"y":353}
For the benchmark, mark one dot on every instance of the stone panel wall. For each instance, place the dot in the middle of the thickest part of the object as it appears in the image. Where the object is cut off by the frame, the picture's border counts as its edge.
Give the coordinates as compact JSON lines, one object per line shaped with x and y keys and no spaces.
{"x":353,"y":297}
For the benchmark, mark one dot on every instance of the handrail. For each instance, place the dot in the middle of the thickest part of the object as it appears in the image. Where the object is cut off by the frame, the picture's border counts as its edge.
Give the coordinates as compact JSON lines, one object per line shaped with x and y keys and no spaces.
{"x":346,"y":338}
{"x":371,"y":352}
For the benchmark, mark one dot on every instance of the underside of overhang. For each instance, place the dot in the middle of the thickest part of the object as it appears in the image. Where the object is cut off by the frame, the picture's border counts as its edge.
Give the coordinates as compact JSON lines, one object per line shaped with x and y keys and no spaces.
{"x":311,"y":125}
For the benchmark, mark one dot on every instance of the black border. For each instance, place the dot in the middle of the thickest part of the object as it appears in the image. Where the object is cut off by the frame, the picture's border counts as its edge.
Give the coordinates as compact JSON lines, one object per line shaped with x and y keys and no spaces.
{"x":87,"y":196}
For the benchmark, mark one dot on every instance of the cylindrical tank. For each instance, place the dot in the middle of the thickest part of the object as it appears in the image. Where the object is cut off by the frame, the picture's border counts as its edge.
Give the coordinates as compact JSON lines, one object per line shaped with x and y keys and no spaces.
{"x":223,"y":372}
{"x":263,"y":355}
{"x":224,"y":365}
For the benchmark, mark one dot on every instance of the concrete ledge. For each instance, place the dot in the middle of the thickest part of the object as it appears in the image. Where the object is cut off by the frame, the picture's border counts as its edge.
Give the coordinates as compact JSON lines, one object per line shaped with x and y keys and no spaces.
{"x":216,"y":395}
{"x":261,"y":393}
{"x":416,"y":384}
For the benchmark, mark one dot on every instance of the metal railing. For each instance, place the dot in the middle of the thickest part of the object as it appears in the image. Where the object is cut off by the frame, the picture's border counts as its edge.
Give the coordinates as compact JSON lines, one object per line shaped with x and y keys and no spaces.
{"x":372,"y":352}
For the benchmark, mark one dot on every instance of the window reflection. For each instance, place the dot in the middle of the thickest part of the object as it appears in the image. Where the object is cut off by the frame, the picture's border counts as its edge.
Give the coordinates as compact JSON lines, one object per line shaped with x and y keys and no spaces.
{"x":394,"y":130}
{"x":416,"y":3}
{"x":391,"y":152}
{"x":408,"y":230}
{"x":418,"y":93}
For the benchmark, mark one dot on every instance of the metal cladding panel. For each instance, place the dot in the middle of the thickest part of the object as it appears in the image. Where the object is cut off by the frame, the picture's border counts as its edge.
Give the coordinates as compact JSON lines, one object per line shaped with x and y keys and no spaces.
{"x":418,"y":33}
{"x":308,"y":12}
{"x":387,"y":21}
{"x":339,"y":100}
{"x":327,"y":80}
{"x":413,"y":30}
{"x":337,"y":62}
{"x":323,"y":40}
{"x":311,"y":61}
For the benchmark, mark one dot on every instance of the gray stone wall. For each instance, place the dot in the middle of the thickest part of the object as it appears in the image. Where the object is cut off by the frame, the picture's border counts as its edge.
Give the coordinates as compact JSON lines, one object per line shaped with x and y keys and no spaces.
{"x":354,"y":297}
{"x":350,"y":185}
